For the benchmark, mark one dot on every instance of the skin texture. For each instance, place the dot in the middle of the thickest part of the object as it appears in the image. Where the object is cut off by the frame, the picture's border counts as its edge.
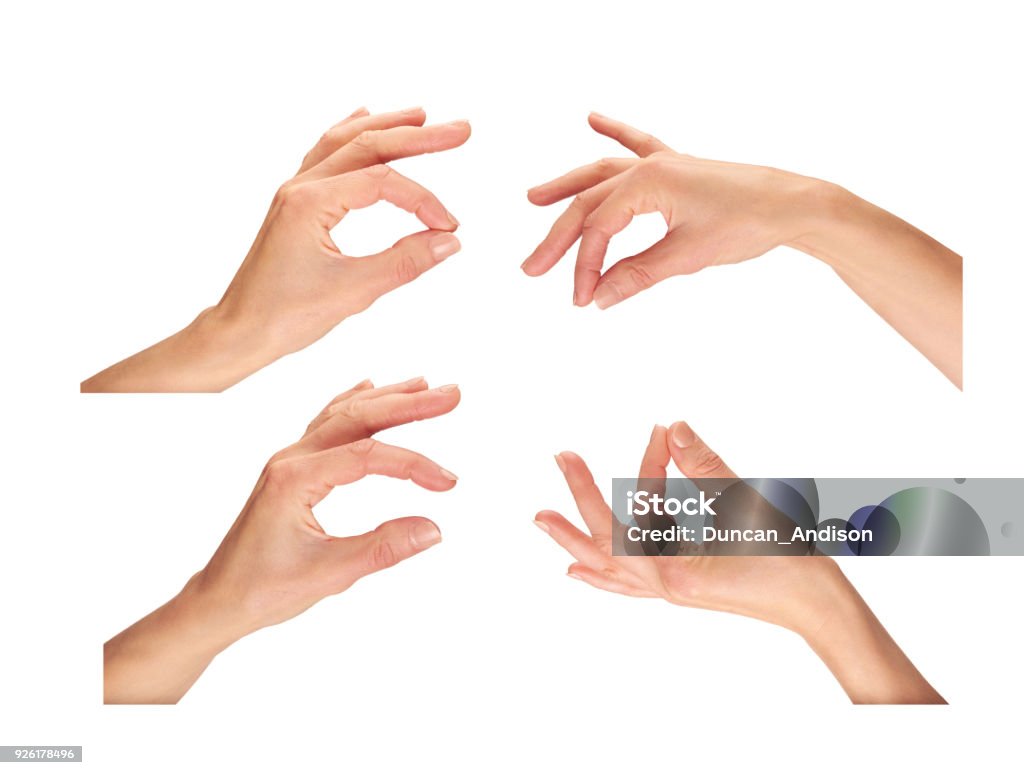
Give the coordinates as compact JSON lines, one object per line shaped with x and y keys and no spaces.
{"x":808,"y":595}
{"x":295,"y":284}
{"x":724,"y":213}
{"x":276,"y":560}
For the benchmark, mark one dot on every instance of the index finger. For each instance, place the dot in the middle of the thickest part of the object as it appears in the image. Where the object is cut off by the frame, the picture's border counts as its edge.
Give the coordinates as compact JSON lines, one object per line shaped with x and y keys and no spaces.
{"x":639,"y":142}
{"x":380,"y":146}
{"x":585,"y":492}
{"x":347,"y":130}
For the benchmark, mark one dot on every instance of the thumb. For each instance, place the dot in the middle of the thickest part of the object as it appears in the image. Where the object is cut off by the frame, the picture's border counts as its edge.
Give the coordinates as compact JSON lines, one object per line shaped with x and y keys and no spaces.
{"x":409,"y":258}
{"x":387,"y":545}
{"x":693,"y":457}
{"x":634,"y":274}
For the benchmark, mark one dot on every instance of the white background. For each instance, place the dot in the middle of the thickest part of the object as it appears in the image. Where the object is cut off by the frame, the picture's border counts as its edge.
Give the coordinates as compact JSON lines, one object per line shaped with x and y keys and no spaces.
{"x":140,"y":149}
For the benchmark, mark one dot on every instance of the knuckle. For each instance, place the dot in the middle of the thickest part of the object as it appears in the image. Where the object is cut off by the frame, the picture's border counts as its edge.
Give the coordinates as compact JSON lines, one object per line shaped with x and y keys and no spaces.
{"x":362,"y":447}
{"x":378,"y":171}
{"x":640,"y":276}
{"x":606,"y":165}
{"x":278,"y":473}
{"x":707,"y":462}
{"x":580,"y":202}
{"x":292,"y":196}
{"x":384,"y":554}
{"x":406,"y":269}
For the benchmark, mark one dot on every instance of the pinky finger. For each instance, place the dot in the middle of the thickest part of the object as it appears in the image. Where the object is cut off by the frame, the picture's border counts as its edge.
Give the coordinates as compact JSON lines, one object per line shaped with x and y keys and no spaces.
{"x":601,"y":581}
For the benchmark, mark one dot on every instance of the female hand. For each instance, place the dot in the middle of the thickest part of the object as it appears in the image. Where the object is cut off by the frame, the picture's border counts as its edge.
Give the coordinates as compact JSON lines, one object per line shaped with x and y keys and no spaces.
{"x":723,"y":213}
{"x":295,"y":284}
{"x":716,"y":213}
{"x":809,"y":595}
{"x":276,"y":560}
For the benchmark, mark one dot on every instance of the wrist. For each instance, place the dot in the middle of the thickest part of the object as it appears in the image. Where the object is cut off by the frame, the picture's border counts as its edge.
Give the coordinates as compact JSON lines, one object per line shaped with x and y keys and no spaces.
{"x":225,"y":347}
{"x":204,"y":621}
{"x":832,"y":219}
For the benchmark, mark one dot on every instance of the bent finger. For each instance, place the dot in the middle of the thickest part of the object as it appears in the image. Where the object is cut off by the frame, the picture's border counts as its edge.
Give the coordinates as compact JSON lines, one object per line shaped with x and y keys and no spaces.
{"x":348,"y":129}
{"x":629,"y":276}
{"x":380,"y":146}
{"x":366,"y":187}
{"x":694,"y":458}
{"x":579,"y":179}
{"x":402,"y":263}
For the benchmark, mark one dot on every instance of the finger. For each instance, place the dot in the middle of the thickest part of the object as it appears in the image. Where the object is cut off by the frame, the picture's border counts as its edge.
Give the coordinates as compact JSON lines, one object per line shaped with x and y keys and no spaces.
{"x":589,"y":501}
{"x":631,"y":275}
{"x":367,"y":390}
{"x":366,"y":384}
{"x":606,"y":220}
{"x":392,"y":542}
{"x":578,"y":180}
{"x":607,"y":583}
{"x":349,"y":129}
{"x":380,"y":146}
{"x":573,"y":540}
{"x":640,"y":143}
{"x":311,"y":477}
{"x":656,"y":456}
{"x":368,"y":186}
{"x":363,"y":416}
{"x":693,"y":457}
{"x":566,"y":229}
{"x":410,"y":257}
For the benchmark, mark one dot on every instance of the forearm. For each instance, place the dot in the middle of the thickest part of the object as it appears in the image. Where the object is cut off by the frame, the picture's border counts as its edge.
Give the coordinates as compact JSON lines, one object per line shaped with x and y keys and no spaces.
{"x":157,"y":659}
{"x":863,"y":657}
{"x":912,"y":281}
{"x":209,"y":355}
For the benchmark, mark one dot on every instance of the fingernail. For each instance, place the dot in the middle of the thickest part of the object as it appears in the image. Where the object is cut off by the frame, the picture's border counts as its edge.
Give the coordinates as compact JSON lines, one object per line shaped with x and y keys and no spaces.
{"x":364,"y":383}
{"x":425,"y":534}
{"x":417,"y":109}
{"x":458,"y":122}
{"x":542,"y":526}
{"x":443,"y":246}
{"x":576,"y":576}
{"x":453,"y":219}
{"x":449,"y":475}
{"x":357,"y":111}
{"x":447,"y":388}
{"x":560,"y":461}
{"x":607,"y":293}
{"x":415,"y":380}
{"x":575,"y":299}
{"x":682,"y":435}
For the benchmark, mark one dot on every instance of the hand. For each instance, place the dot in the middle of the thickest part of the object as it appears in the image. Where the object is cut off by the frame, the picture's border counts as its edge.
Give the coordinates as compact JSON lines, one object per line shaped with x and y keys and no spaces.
{"x":716,"y":213}
{"x":722,"y":213}
{"x":276,"y":560}
{"x":808,"y":595}
{"x":295,"y":284}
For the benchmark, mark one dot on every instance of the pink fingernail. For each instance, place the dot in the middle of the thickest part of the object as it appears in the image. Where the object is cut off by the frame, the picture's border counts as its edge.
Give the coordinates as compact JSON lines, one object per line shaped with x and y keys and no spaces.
{"x":561,"y":462}
{"x":542,"y":526}
{"x":443,"y":246}
{"x":682,"y":435}
{"x":425,"y":534}
{"x":607,"y":294}
{"x":576,"y":576}
{"x":448,"y":475}
{"x":447,"y":388}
